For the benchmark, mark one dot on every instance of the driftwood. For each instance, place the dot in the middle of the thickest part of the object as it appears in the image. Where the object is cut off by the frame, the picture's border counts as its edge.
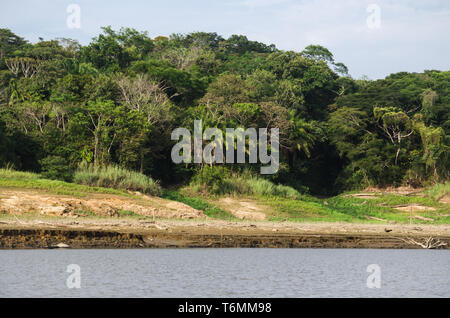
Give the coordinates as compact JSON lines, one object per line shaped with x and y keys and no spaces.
{"x":374,"y":218}
{"x":427,"y":243}
{"x":423,"y":218}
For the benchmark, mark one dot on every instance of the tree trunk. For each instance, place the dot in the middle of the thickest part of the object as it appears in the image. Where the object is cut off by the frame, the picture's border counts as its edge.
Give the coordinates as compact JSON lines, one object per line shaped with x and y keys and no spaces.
{"x":141,"y":167}
{"x":396,"y":155}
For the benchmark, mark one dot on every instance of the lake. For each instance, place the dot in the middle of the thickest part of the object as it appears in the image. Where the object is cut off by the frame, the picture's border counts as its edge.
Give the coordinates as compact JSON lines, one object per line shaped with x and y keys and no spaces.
{"x":224,"y":273}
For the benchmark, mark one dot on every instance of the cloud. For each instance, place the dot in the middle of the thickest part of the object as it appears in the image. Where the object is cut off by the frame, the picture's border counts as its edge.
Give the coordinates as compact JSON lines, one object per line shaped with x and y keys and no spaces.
{"x":261,"y":3}
{"x":411,"y":38}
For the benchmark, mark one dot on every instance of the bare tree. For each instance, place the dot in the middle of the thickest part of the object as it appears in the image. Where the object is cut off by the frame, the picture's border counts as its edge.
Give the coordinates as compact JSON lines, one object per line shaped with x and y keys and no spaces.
{"x":25,"y":65}
{"x":145,"y":96}
{"x":13,"y":65}
{"x":183,"y":58}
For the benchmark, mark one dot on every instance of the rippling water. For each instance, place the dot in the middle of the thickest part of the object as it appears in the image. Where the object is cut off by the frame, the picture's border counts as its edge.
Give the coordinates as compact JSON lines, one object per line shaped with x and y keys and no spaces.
{"x":225,"y":273}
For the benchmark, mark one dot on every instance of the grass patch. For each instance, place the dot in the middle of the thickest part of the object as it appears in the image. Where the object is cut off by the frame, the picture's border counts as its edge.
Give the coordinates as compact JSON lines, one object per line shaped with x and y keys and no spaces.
{"x":199,"y":204}
{"x":438,"y":190}
{"x":126,"y":213}
{"x":301,"y":211}
{"x":30,"y":180}
{"x":87,"y":213}
{"x":219,"y":180}
{"x":117,"y":178}
{"x":382,"y":207}
{"x":344,"y":208}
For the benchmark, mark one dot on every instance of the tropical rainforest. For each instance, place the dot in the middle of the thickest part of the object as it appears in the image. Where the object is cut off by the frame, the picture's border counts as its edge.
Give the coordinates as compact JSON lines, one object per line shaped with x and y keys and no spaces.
{"x":115,"y":102}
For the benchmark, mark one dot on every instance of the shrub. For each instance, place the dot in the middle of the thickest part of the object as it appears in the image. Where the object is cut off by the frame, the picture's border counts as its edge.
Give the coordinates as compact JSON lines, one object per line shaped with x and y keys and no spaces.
{"x":56,"y":168}
{"x":438,"y":190}
{"x":116,"y":177}
{"x":219,"y":180}
{"x":212,"y":179}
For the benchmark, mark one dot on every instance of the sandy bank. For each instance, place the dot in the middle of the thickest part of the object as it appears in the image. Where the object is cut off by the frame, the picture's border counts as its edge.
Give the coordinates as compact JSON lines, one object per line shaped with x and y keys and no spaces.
{"x":136,"y":233}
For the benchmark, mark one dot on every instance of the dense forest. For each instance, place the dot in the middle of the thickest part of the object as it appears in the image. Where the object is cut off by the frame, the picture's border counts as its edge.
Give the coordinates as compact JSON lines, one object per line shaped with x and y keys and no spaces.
{"x":116,"y":101}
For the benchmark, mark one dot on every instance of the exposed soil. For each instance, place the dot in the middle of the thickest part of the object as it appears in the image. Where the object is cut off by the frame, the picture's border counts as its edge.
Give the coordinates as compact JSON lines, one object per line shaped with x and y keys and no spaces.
{"x":244,"y":209}
{"x":445,"y":199}
{"x":394,"y":190}
{"x":37,"y":219}
{"x":368,"y":195}
{"x":130,"y":233}
{"x":21,"y":202}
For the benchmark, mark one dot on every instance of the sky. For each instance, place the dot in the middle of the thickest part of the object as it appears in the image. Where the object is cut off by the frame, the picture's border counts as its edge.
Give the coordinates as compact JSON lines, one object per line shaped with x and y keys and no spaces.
{"x":373,"y":38}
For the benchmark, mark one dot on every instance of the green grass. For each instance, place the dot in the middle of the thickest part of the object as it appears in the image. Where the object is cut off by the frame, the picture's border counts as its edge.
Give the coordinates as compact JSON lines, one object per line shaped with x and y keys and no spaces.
{"x":298,"y":208}
{"x":220,"y":181}
{"x":302,"y":210}
{"x":126,"y":213}
{"x":354,"y":209}
{"x":88,"y":213}
{"x":197,"y":203}
{"x":265,"y":188}
{"x":286,"y":204}
{"x":345,"y":208}
{"x":438,"y":190}
{"x":117,"y":178}
{"x":30,"y":180}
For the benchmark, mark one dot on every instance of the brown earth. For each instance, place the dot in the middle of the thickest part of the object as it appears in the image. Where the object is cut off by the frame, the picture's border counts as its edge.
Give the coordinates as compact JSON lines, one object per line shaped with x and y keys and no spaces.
{"x":37,"y":219}
{"x":32,"y":201}
{"x":394,"y":190}
{"x":244,"y":209}
{"x":445,"y":199}
{"x":47,"y":232}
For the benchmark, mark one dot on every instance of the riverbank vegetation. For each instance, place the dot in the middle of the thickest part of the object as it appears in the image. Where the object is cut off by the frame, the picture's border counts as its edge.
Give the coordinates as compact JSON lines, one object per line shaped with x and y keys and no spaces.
{"x":115,"y":177}
{"x":110,"y":106}
{"x":425,"y":206}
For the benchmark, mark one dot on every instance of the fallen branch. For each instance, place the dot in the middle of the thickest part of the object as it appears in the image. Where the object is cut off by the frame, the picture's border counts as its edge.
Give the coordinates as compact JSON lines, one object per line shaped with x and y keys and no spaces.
{"x":428,"y":243}
{"x":423,"y":218}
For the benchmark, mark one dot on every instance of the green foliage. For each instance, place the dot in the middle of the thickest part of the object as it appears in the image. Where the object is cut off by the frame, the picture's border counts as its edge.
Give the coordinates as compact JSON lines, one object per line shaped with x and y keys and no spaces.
{"x":438,"y":190}
{"x":30,"y":180}
{"x":218,"y":180}
{"x":115,"y":177}
{"x":212,"y":179}
{"x":115,"y":101}
{"x":56,"y":168}
{"x":197,"y":203}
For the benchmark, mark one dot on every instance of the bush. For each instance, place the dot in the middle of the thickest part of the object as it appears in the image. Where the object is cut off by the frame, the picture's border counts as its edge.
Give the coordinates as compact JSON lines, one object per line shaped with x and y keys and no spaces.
{"x":438,"y":190}
{"x":212,"y":180}
{"x":116,"y":177}
{"x":56,"y":168}
{"x":266,"y":188}
{"x":219,"y":180}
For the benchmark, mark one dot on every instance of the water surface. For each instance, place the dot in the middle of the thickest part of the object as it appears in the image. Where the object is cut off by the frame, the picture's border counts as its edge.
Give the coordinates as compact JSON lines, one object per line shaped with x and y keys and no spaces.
{"x":225,"y":273}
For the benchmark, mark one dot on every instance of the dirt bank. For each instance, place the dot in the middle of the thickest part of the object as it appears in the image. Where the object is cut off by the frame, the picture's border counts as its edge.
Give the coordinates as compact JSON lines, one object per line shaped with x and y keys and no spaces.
{"x":19,"y":202}
{"x":170,"y":233}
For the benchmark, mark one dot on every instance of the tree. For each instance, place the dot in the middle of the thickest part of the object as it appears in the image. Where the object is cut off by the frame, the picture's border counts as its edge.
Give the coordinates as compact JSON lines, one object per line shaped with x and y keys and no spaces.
{"x":147,"y":108}
{"x":98,"y":117}
{"x":433,"y":143}
{"x":9,"y":42}
{"x":395,"y":124}
{"x":25,"y":65}
{"x":318,"y":52}
{"x":145,"y":96}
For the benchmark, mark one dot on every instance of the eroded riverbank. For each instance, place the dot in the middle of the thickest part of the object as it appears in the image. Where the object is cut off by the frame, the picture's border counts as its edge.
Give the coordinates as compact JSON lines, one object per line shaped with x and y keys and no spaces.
{"x":185,"y":234}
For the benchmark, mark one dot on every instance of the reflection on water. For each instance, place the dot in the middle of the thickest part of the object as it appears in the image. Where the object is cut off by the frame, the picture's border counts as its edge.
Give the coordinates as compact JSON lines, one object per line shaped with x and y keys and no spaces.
{"x":225,"y":273}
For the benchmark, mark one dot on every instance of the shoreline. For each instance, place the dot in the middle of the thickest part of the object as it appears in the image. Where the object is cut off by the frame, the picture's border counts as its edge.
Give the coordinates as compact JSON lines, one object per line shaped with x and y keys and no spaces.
{"x":219,"y":234}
